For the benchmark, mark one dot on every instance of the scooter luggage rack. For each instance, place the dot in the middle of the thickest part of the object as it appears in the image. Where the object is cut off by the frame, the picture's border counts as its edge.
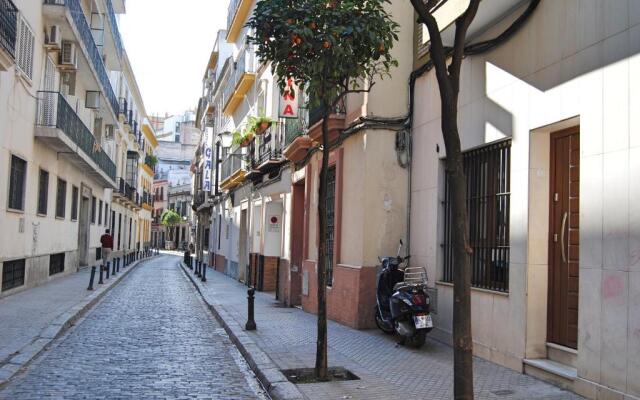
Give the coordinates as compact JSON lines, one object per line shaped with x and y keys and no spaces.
{"x":415,"y":276}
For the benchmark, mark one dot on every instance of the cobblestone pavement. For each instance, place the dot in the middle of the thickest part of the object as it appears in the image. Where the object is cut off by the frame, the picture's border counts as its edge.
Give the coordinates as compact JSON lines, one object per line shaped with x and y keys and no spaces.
{"x":151,"y":337}
{"x":387,"y":371}
{"x":42,"y":304}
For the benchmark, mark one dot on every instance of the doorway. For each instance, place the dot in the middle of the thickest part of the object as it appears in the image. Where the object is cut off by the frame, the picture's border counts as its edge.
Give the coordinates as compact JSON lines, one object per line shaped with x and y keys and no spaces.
{"x":243,"y":254}
{"x":564,"y":238}
{"x":297,"y":242}
{"x":83,"y":229}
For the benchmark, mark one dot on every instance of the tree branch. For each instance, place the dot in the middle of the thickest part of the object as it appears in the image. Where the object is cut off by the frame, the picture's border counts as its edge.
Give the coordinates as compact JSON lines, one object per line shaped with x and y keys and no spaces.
{"x":436,"y":50}
{"x":462,"y":26}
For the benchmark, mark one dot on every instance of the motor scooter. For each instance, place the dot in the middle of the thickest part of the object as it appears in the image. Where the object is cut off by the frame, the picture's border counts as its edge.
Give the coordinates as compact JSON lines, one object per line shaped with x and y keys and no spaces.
{"x":402,"y":303}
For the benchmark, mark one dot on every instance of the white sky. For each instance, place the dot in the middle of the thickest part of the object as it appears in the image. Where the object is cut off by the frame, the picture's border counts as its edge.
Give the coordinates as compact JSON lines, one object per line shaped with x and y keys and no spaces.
{"x":169,"y":43}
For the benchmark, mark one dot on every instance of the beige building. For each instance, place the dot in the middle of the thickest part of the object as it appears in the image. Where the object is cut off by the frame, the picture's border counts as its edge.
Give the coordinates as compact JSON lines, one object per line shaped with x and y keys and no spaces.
{"x":63,"y":70}
{"x":549,"y":127}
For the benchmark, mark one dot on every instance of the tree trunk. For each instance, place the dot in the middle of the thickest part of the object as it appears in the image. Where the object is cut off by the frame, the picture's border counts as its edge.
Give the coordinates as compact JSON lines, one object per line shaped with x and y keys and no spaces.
{"x":321,"y":350}
{"x":462,"y":339}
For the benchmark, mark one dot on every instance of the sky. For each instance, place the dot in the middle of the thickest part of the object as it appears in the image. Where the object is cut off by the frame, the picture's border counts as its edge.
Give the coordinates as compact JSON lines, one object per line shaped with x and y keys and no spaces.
{"x":169,"y":44}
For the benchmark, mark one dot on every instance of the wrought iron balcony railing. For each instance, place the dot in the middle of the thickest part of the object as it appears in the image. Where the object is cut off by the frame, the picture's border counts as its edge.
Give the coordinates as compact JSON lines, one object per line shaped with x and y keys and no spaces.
{"x":8,"y":26}
{"x":124,"y":109}
{"x":117,"y":39}
{"x":199,"y":199}
{"x":231,"y":12}
{"x":317,"y":112}
{"x":95,"y":58}
{"x":55,"y":112}
{"x":231,"y":164}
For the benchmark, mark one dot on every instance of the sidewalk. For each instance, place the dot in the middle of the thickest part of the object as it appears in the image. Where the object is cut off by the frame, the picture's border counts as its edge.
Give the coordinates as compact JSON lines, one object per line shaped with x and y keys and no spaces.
{"x":31,"y":319}
{"x":387,"y":371}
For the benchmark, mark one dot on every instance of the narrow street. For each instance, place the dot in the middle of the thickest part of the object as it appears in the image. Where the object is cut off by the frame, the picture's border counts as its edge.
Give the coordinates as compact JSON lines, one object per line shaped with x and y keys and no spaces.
{"x":150,"y":338}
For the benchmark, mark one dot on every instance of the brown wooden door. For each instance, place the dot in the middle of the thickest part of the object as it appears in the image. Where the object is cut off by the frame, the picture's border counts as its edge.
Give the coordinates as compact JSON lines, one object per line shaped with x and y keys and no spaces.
{"x":564,"y":216}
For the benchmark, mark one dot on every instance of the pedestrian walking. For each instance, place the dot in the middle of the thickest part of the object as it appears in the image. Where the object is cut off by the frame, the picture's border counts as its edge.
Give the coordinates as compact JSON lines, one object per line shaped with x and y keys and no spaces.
{"x":107,"y":247}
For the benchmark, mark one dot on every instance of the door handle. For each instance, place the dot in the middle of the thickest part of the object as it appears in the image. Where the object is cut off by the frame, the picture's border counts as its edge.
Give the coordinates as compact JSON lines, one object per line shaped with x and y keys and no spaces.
{"x":564,"y":223}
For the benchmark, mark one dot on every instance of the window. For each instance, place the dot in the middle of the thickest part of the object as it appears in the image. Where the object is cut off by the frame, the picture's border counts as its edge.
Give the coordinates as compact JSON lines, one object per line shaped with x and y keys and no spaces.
{"x":17,"y":185}
{"x":25,"y":48}
{"x":100,"y":213}
{"x":488,"y":195}
{"x":93,"y":209}
{"x":61,"y":198}
{"x":74,"y":203}
{"x":43,"y":192}
{"x":12,"y":274}
{"x":331,"y":221}
{"x":56,"y":264}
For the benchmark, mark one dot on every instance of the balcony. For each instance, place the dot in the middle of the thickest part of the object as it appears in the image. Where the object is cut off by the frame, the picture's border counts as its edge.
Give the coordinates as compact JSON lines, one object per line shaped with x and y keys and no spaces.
{"x":198,"y":200}
{"x":236,"y":15}
{"x":58,"y":125}
{"x":232,"y":172}
{"x":71,"y":11}
{"x":296,"y":141}
{"x":336,"y":122}
{"x":241,"y":81}
{"x":147,"y":201}
{"x":8,"y":29}
{"x":123,"y":115}
{"x":113,"y":25}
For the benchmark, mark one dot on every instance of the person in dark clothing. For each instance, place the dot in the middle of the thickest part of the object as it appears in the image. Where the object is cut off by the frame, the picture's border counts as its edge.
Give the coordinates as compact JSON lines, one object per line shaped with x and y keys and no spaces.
{"x":106,"y":241}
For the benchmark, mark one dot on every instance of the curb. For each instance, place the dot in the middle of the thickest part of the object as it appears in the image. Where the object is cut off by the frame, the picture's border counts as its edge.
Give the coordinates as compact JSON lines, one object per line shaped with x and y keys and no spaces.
{"x":59,"y":326}
{"x":267,"y":372}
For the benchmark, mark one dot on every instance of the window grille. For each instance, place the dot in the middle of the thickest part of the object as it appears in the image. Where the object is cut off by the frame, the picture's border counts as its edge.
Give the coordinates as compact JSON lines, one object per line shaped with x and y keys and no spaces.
{"x":56,"y":264}
{"x":43,"y":192}
{"x":12,"y":274}
{"x":74,"y":203}
{"x":488,"y":201}
{"x":61,"y":198}
{"x":331,"y":222}
{"x":17,"y":179}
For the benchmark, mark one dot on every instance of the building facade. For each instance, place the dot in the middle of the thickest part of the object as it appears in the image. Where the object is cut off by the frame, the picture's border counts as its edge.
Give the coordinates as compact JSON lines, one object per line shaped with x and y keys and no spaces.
{"x":63,"y":74}
{"x":548,"y":124}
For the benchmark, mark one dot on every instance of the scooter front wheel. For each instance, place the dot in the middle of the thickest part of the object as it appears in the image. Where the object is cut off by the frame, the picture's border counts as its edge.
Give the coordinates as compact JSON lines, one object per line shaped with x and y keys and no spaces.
{"x":381,"y":325}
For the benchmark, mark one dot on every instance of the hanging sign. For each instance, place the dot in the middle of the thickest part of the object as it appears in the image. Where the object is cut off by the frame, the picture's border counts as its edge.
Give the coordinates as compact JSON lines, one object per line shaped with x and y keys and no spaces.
{"x":289,"y":103}
{"x":207,"y":160}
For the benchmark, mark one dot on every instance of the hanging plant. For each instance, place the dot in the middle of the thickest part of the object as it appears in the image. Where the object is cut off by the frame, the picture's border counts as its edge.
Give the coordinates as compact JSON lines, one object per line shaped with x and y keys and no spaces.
{"x":242,"y":138}
{"x":260,"y":124}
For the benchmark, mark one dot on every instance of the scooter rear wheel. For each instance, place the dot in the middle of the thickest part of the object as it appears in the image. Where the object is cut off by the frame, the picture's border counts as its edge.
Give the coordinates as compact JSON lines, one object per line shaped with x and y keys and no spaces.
{"x":417,"y":340}
{"x":381,"y":325}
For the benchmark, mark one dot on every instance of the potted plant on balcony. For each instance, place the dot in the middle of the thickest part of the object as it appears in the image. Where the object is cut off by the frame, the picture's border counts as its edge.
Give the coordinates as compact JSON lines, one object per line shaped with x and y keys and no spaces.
{"x":242,"y":138}
{"x":260,"y":124}
{"x":151,"y":161}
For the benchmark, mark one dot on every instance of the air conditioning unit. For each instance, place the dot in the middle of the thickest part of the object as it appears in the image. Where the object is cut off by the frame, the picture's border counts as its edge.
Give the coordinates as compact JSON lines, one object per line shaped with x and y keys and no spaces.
{"x":68,"y":56}
{"x":92,"y":100}
{"x":53,"y":37}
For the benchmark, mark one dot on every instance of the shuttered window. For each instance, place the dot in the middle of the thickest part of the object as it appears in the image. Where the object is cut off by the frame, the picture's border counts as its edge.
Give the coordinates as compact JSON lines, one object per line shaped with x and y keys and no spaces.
{"x":74,"y":203}
{"x":43,"y":192}
{"x":25,"y":48}
{"x":488,"y":175}
{"x":100,"y":213}
{"x":61,"y":198}
{"x":93,"y":209}
{"x":17,"y":177}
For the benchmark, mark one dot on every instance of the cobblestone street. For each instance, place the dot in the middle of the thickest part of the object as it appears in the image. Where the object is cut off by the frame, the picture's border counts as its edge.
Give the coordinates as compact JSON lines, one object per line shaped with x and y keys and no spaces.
{"x":151,"y":337}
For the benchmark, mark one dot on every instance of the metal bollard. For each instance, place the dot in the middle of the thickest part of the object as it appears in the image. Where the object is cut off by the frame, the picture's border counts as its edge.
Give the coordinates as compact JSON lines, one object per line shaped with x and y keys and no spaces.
{"x":199,"y":266}
{"x":100,"y":282}
{"x":251,"y":323}
{"x":117,"y":266}
{"x":106,"y":268}
{"x":113,"y":272}
{"x":204,"y":272}
{"x":93,"y":276}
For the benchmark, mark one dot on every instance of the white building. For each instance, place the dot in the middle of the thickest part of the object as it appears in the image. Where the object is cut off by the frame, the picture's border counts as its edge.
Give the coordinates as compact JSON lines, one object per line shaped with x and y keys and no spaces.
{"x":64,"y":147}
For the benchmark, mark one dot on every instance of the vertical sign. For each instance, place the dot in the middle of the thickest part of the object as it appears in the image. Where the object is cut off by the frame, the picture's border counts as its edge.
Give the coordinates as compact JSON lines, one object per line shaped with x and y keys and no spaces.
{"x":289,"y":100}
{"x":208,"y":160}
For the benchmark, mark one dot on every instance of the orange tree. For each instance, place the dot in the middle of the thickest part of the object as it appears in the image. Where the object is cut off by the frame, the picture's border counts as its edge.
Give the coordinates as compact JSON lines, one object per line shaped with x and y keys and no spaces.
{"x":330,"y":48}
